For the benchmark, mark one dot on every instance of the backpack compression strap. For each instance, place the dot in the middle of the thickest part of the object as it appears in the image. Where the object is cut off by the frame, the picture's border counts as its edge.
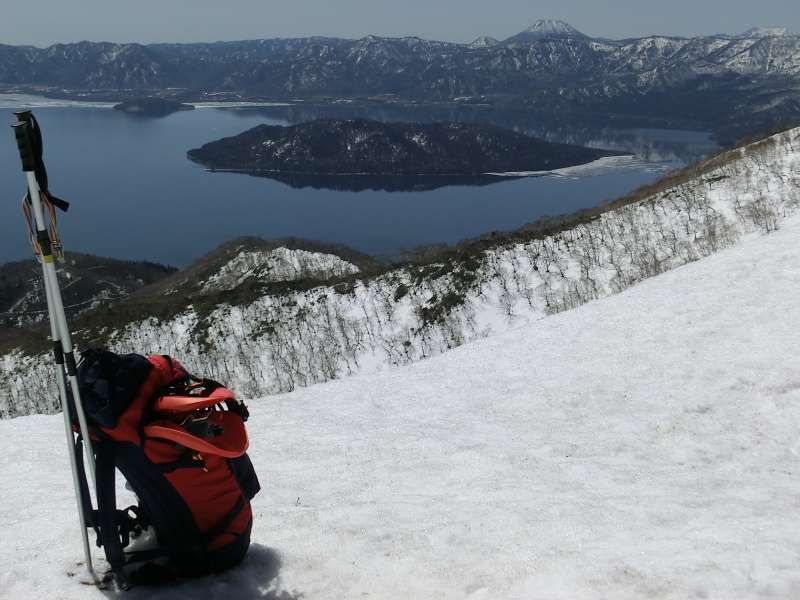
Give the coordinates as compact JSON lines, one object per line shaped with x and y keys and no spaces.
{"x":86,"y":499}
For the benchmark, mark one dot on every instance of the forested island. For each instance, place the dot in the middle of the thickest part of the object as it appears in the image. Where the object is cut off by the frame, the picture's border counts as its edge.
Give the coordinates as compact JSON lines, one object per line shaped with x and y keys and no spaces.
{"x":360,"y":146}
{"x":152,"y":107}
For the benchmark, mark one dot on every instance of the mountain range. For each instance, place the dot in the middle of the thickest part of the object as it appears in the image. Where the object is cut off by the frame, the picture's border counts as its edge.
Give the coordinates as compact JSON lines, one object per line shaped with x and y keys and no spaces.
{"x":739,"y":82}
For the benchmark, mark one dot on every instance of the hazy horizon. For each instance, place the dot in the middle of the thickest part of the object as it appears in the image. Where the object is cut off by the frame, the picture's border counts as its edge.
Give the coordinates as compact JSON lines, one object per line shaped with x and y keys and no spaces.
{"x":45,"y":22}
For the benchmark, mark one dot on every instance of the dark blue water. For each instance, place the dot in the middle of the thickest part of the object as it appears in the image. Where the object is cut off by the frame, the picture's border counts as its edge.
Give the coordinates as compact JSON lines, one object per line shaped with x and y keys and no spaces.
{"x":135,"y":195}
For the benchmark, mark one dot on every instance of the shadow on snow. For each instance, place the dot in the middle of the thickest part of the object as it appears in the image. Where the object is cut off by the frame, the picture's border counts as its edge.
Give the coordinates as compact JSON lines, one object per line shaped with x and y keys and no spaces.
{"x":255,"y":578}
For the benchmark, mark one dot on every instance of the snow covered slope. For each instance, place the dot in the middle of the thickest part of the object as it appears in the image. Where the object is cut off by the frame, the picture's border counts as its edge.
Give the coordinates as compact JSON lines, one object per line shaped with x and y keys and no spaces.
{"x":279,"y":341}
{"x":641,"y":446}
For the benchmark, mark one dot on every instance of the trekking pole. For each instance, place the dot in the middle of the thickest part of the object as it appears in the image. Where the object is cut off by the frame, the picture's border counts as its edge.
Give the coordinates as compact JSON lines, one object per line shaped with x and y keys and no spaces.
{"x":29,"y":142}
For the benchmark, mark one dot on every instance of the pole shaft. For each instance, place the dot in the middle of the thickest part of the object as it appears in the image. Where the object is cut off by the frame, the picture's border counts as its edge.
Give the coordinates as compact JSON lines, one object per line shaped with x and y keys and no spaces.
{"x":61,"y":328}
{"x":62,"y":392}
{"x":62,"y":345}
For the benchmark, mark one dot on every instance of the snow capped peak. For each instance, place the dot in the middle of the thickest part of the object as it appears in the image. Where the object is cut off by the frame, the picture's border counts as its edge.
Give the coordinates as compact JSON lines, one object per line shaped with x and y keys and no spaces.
{"x":551,"y":28}
{"x":545,"y":29}
{"x":762,"y":32}
{"x":484,"y":42}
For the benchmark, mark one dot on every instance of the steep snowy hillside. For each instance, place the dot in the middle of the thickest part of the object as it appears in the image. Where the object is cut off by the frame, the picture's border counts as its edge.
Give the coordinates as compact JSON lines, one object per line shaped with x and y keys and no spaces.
{"x":641,"y":446}
{"x":271,"y":340}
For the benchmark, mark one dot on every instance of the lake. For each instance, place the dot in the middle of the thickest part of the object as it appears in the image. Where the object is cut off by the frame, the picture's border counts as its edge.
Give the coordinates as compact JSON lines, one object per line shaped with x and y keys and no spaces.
{"x":135,"y":195}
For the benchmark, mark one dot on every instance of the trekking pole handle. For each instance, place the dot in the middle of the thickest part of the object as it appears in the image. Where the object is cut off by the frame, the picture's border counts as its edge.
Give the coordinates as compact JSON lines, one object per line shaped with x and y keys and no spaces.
{"x":23,"y":131}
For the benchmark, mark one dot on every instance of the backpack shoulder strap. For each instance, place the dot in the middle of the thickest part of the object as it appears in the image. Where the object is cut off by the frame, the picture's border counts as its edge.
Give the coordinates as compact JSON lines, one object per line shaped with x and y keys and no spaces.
{"x":107,"y":510}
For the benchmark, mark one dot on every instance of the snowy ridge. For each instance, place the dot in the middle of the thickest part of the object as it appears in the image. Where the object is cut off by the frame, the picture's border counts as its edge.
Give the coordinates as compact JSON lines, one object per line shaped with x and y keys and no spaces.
{"x":280,"y":264}
{"x":281,"y":342}
{"x":642,"y":446}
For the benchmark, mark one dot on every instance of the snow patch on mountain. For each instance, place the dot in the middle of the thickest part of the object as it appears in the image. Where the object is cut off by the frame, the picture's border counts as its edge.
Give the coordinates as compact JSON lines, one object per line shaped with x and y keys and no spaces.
{"x":280,"y":264}
{"x":484,"y":41}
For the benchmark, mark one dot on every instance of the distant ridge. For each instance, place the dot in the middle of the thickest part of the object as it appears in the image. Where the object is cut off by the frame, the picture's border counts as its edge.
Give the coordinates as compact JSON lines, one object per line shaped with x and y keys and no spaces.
{"x":484,"y":42}
{"x":762,"y":32}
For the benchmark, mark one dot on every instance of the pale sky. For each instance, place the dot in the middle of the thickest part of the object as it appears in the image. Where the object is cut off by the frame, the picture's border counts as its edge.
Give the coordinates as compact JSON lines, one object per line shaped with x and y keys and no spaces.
{"x":43,"y":22}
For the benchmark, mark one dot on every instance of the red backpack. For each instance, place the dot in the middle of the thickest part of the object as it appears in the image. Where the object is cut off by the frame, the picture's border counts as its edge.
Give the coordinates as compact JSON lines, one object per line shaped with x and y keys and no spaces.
{"x":180,"y":442}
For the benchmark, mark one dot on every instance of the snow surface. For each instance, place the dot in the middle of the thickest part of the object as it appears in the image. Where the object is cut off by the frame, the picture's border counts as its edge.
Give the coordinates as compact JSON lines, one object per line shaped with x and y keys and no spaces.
{"x":641,"y":446}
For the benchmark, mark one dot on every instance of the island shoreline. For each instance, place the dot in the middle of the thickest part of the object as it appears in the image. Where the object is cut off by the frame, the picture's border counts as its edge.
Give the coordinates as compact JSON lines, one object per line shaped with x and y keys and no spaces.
{"x":599,"y":162}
